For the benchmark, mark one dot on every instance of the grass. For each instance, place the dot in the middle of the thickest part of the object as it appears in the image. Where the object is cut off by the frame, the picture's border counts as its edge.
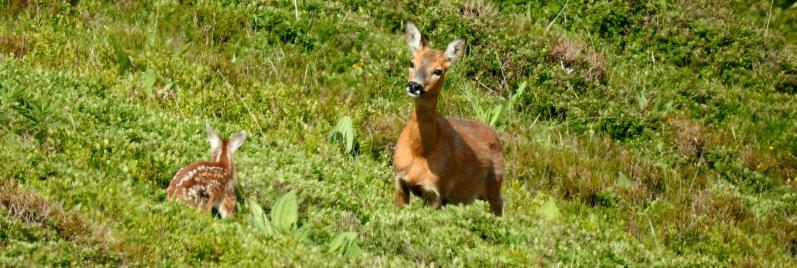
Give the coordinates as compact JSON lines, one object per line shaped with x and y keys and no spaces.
{"x":635,"y":134}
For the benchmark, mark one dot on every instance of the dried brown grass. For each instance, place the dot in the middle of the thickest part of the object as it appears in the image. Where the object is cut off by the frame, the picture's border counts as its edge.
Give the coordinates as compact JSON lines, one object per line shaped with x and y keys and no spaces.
{"x":14,"y":44}
{"x":383,"y":130}
{"x":28,"y":207}
{"x":13,"y":7}
{"x":690,"y":136}
{"x":722,"y":208}
{"x":770,"y":162}
{"x":589,"y":169}
{"x":478,"y":8}
{"x":31,"y":208}
{"x":576,"y":54}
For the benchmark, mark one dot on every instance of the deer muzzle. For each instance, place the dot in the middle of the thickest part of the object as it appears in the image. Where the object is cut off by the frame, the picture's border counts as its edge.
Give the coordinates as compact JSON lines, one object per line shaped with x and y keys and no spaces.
{"x":414,"y":89}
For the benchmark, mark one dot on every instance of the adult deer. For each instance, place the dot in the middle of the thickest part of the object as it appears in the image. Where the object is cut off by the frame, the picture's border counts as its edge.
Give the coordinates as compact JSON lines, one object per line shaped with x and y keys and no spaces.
{"x":443,"y":160}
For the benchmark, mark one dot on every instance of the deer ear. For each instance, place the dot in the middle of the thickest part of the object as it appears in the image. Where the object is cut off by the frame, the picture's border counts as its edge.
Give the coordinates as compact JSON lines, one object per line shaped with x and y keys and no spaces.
{"x":236,"y":142}
{"x":215,"y":141}
{"x":414,"y":38}
{"x":455,"y":49}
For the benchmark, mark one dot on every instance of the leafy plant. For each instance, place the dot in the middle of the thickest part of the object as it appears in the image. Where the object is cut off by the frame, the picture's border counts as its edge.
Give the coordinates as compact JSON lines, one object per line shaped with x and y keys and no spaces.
{"x":284,"y":218}
{"x":38,"y":116}
{"x":344,"y":134}
{"x":549,"y":210}
{"x":285,"y":213}
{"x":623,"y":181}
{"x":121,"y":57}
{"x":147,"y":82}
{"x":257,"y":218}
{"x":345,"y":244}
{"x":494,"y":116}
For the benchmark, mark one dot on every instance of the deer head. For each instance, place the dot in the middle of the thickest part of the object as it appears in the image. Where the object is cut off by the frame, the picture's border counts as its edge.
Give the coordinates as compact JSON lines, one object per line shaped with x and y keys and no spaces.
{"x":428,"y":66}
{"x":223,"y":150}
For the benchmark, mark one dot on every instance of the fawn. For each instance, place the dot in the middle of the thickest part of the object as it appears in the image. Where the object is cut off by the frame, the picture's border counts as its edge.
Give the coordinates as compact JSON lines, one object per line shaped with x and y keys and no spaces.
{"x":207,"y":185}
{"x":443,"y":160}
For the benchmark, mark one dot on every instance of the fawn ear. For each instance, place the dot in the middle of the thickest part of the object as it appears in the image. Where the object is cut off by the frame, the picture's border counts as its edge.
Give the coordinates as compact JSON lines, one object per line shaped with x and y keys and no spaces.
{"x":414,"y":38}
{"x":215,"y":141}
{"x":235,"y":142}
{"x":455,"y":49}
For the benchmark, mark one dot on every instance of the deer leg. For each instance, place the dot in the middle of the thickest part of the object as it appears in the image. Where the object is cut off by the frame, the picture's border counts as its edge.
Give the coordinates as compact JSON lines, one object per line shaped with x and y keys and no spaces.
{"x":433,"y":199}
{"x":494,"y":195}
{"x":227,"y":205}
{"x":402,"y":193}
{"x":496,"y":206}
{"x":208,"y":204}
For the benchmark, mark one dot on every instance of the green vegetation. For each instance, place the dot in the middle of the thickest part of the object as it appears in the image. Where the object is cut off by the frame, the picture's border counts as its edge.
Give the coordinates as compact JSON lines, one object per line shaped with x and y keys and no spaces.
{"x":637,"y":133}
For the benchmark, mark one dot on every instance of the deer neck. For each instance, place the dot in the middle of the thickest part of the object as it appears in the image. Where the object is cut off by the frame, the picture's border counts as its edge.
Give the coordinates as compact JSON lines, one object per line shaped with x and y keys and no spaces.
{"x":424,"y":126}
{"x":226,"y":162}
{"x":224,"y":158}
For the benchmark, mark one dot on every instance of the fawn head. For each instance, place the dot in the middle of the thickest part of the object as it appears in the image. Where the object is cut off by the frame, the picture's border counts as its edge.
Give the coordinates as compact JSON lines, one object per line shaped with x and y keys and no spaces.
{"x":222,"y":150}
{"x":428,"y":66}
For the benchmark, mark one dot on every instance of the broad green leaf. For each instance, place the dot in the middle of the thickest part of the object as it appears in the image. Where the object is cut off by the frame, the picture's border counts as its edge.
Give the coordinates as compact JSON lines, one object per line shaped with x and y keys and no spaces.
{"x":285,"y":213}
{"x":344,"y":134}
{"x":623,"y":181}
{"x":345,"y":244}
{"x":121,"y":56}
{"x":257,"y":218}
{"x":302,"y":234}
{"x":549,"y":211}
{"x":148,"y":81}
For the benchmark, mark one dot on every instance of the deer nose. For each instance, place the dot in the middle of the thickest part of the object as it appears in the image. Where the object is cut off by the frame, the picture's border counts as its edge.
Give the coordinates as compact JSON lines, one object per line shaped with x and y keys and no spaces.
{"x":414,"y":89}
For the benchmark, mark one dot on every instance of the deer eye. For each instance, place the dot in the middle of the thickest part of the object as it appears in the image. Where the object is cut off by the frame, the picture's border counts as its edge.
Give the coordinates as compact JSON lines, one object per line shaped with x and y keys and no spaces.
{"x":412,"y":65}
{"x":438,"y":72}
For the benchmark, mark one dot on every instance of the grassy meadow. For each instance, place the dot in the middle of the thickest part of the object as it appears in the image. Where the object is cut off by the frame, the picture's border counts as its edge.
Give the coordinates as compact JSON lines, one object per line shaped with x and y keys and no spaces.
{"x":636,"y":133}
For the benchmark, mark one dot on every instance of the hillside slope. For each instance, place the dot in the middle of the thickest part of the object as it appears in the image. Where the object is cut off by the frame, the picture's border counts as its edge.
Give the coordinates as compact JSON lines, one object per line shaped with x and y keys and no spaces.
{"x":647,"y":134}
